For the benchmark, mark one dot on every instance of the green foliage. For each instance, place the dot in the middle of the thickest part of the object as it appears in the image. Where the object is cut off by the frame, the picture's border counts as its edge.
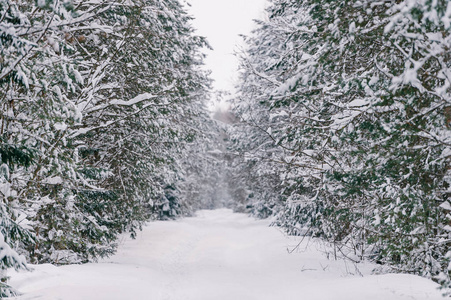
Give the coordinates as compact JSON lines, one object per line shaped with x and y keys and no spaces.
{"x":12,"y":155}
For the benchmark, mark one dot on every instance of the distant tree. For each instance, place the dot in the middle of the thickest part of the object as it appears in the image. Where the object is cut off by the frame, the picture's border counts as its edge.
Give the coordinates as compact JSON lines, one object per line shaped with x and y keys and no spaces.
{"x":205,"y":167}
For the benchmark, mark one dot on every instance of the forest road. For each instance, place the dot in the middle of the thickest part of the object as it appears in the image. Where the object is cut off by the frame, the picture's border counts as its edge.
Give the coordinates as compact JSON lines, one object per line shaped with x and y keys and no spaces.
{"x":218,"y":255}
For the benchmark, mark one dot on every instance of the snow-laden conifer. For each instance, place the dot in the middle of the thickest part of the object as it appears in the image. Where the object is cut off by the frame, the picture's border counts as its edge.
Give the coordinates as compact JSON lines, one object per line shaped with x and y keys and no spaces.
{"x":347,"y":104}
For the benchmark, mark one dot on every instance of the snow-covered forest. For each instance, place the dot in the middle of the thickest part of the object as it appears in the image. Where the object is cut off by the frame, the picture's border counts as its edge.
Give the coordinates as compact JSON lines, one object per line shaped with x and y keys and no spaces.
{"x":101,"y":103}
{"x":339,"y":129}
{"x":344,"y":132}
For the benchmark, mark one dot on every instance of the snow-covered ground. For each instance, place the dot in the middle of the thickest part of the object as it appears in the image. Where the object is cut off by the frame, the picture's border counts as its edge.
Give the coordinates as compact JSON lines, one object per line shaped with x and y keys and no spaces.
{"x":217,"y":255}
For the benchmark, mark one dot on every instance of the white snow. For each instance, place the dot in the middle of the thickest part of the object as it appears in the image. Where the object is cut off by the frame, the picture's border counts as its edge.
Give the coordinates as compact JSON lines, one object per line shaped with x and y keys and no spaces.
{"x":54,"y":180}
{"x":60,"y":126}
{"x":142,"y":97}
{"x":445,"y":205}
{"x":218,"y":255}
{"x":137,"y":99}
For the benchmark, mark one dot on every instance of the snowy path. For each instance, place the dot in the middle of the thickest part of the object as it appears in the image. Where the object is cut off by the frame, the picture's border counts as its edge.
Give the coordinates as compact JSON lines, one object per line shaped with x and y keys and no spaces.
{"x":217,"y":255}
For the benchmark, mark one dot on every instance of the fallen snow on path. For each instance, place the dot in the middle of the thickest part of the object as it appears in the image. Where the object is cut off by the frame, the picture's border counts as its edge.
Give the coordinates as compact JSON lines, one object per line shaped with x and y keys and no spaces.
{"x":217,"y":255}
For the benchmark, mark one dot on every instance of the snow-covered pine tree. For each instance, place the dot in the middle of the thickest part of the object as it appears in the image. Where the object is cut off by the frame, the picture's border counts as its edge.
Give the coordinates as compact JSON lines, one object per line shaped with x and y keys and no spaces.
{"x":14,"y":156}
{"x":11,"y":231}
{"x":95,"y":96}
{"x":39,"y":81}
{"x":368,"y":88}
{"x":404,"y":131}
{"x":387,"y":65}
{"x":285,"y":114}
{"x":9,"y":259}
{"x":147,"y":77}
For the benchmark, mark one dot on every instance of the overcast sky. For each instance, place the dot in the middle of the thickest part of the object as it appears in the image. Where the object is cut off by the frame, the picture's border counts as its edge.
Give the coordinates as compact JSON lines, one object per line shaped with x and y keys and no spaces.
{"x":221,"y":21}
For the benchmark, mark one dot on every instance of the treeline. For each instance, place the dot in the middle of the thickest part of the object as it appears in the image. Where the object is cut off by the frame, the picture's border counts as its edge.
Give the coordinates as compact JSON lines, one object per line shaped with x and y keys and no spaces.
{"x":345,"y":111}
{"x":99,"y":101}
